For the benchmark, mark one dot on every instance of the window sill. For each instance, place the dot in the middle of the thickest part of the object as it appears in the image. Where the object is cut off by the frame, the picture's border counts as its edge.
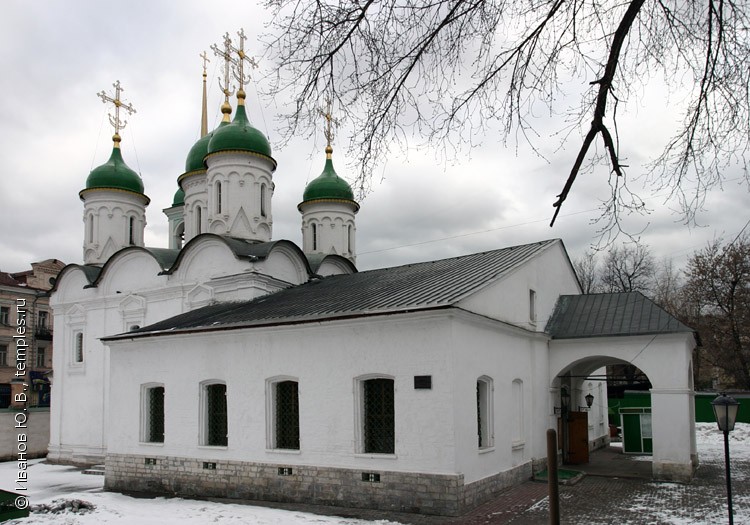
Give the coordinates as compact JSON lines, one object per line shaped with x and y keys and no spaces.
{"x":486,"y":450}
{"x":283,"y":451}
{"x":151,"y":443}
{"x":517,"y":445}
{"x":214,"y":447}
{"x":372,"y":455}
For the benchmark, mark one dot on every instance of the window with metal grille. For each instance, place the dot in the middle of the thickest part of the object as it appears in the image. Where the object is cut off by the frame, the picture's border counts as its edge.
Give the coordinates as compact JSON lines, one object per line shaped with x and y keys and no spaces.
{"x":216,"y":415}
{"x":155,"y":415}
{"x":378,"y":416}
{"x":287,"y":415}
{"x":78,"y":357}
{"x":484,"y":412}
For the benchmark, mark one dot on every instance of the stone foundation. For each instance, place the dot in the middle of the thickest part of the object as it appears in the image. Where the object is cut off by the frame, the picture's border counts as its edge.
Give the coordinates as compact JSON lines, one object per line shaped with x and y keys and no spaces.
{"x":439,"y":494}
{"x":678,"y":472}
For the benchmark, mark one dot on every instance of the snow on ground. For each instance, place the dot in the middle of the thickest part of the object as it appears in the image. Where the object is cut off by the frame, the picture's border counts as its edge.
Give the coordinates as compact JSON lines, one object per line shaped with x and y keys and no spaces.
{"x":54,"y":482}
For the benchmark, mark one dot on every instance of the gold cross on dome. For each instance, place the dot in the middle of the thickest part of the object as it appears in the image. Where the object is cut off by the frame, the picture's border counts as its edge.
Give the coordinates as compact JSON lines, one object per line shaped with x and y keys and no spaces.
{"x":330,"y":122}
{"x":205,"y":62}
{"x":239,"y":62}
{"x":226,"y":54}
{"x":117,"y":101}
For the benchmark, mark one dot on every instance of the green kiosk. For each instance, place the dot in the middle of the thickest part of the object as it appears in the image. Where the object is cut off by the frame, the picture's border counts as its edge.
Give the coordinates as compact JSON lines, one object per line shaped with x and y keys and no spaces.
{"x":636,"y":430}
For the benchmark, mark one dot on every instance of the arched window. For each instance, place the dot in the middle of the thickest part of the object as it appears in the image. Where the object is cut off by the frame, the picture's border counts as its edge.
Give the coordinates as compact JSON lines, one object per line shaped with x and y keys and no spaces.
{"x":131,"y":231}
{"x":218,"y":196}
{"x":91,"y":227}
{"x":377,"y":414}
{"x":314,"y":228}
{"x":214,"y":415}
{"x":485,"y":423}
{"x":263,"y":191}
{"x":284,"y":414}
{"x":179,"y":235}
{"x":198,"y":220}
{"x":152,"y":414}
{"x":349,"y":238}
{"x":518,"y":409}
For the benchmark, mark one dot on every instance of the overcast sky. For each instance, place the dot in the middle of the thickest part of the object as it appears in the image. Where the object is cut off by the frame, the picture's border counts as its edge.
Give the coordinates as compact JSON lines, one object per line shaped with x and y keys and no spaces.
{"x":53,"y":130}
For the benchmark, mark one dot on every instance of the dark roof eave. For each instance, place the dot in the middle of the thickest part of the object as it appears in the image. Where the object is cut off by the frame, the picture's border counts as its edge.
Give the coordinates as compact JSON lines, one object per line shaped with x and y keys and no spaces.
{"x":594,"y":336}
{"x":270,"y":323}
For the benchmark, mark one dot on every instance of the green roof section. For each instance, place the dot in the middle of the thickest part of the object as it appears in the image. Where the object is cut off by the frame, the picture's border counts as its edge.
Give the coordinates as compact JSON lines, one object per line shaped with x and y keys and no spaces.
{"x":179,"y":198}
{"x":239,"y":136}
{"x":114,"y":174}
{"x":328,"y":186}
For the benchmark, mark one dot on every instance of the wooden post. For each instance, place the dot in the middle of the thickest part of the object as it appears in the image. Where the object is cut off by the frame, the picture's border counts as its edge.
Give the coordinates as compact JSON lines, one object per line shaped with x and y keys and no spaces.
{"x":554,"y":491}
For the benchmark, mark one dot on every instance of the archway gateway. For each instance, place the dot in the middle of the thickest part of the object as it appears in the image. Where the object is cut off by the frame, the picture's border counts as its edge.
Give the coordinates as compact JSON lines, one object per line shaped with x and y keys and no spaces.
{"x":590,"y":332}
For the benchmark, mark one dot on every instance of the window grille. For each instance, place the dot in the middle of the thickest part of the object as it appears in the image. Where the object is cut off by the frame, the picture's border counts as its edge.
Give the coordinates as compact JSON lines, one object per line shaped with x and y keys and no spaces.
{"x":79,"y":348}
{"x":155,"y":413}
{"x":216,"y":416}
{"x":287,"y":415}
{"x":379,"y":434}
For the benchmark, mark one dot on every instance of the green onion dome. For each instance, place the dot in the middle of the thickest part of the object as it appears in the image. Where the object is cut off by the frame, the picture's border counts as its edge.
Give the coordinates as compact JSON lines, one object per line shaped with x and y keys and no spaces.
{"x":179,"y":198}
{"x":197,"y":153}
{"x":239,"y":136}
{"x":114,"y":174}
{"x":328,"y":186}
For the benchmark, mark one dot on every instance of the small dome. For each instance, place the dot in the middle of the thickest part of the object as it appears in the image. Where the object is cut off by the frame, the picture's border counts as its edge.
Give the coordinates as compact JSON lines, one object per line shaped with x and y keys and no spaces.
{"x":327,"y":186}
{"x":239,"y":136}
{"x":114,"y":174}
{"x":179,"y":198}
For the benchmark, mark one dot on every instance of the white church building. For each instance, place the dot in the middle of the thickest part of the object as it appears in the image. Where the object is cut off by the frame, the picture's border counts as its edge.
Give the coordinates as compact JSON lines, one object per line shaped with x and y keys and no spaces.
{"x":241,"y":366}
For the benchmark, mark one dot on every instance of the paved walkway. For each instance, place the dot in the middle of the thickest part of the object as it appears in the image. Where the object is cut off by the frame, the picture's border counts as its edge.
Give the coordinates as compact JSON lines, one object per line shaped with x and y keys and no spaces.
{"x":617,"y":490}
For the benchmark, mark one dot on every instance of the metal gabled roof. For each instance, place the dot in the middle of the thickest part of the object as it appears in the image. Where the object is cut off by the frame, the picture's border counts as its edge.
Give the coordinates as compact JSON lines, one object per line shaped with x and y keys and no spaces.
{"x":610,"y":314}
{"x":425,"y":285}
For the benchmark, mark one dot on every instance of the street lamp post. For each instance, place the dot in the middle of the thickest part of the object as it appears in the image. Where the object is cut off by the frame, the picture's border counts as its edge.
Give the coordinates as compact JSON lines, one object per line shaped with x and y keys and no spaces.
{"x":725,"y":411}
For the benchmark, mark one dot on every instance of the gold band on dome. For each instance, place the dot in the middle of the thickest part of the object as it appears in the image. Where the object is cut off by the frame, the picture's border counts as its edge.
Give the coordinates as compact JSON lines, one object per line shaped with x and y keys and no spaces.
{"x":244,"y":152}
{"x":190,"y":174}
{"x":341,"y":201}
